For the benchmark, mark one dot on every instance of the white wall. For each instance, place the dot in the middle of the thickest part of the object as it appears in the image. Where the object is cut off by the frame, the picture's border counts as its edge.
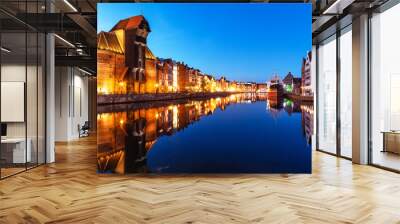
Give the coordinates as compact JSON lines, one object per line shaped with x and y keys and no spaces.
{"x":33,"y":126}
{"x":80,"y":110}
{"x":62,"y":82}
{"x":17,"y":72}
{"x":14,"y":72}
{"x":71,"y":87}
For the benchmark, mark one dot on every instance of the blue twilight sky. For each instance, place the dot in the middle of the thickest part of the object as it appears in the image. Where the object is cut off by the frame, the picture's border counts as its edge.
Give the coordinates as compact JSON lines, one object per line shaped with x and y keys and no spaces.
{"x":242,"y":41}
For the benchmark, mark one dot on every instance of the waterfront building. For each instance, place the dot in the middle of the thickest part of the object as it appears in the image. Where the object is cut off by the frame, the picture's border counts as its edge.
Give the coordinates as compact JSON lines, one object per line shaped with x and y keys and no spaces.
{"x":174,"y":77}
{"x":199,"y":81}
{"x":151,"y":84}
{"x":162,"y":85}
{"x":247,"y":87}
{"x":209,"y":83}
{"x":296,"y":86}
{"x":232,"y":86}
{"x":306,"y":84}
{"x":213,"y":84}
{"x":183,"y":77}
{"x":168,"y":72}
{"x":135,"y":29}
{"x":292,"y":84}
{"x":126,"y":74}
{"x":250,"y":87}
{"x":239,"y":86}
{"x":166,"y":65}
{"x":262,"y":87}
{"x":111,"y":64}
{"x":288,"y":82}
{"x":253,"y":87}
{"x":192,"y":80}
{"x":222,"y":84}
{"x":242,"y":87}
{"x":219,"y":85}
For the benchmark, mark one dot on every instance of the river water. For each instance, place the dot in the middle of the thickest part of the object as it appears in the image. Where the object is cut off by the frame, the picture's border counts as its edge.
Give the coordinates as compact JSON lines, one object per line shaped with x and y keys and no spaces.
{"x":242,"y":133}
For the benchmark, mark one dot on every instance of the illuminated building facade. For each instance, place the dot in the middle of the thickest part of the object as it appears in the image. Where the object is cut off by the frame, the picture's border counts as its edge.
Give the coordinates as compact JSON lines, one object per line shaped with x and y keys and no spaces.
{"x":306,"y":85}
{"x":288,"y":82}
{"x":121,"y":57}
{"x":262,"y":87}
{"x":222,"y":84}
{"x":166,"y":66}
{"x":182,"y":77}
{"x":126,"y":65}
{"x":111,"y":67}
{"x":209,"y":84}
{"x":192,"y":80}
{"x":296,"y":86}
{"x":151,"y":72}
{"x":199,"y":81}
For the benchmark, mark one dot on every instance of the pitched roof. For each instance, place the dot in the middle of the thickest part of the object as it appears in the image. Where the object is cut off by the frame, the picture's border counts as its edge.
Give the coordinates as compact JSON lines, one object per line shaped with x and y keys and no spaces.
{"x":149,"y":54}
{"x":130,"y":23}
{"x":288,"y":79}
{"x":108,"y":41}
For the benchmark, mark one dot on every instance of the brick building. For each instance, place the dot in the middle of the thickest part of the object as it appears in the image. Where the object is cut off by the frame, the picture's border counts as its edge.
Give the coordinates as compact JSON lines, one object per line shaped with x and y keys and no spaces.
{"x":111,"y":65}
{"x":222,"y":84}
{"x":306,"y":84}
{"x":151,"y":81}
{"x":126,"y":43}
{"x":183,"y":77}
{"x":262,"y":87}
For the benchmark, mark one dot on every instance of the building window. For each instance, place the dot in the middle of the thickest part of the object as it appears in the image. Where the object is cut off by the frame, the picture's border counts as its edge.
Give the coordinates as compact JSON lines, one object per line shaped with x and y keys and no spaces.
{"x":346,"y":95}
{"x":385,"y":89}
{"x":327,"y":95}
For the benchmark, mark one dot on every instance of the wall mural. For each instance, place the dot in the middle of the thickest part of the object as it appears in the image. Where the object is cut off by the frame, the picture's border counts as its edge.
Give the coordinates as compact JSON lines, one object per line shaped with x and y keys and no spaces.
{"x":204,"y":88}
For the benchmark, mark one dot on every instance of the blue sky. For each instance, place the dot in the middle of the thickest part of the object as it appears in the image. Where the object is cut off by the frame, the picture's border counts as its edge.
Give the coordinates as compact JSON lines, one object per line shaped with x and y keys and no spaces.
{"x":244,"y":42}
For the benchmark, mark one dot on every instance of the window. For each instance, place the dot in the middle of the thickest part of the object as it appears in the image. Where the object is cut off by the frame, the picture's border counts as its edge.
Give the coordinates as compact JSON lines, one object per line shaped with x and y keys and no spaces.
{"x":327,"y":95}
{"x":346,"y":92}
{"x":385,"y":89}
{"x":334,"y":100}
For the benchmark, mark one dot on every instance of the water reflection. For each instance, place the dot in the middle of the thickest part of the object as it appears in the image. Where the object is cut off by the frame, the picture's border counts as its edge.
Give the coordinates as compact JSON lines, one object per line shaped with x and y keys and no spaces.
{"x":225,"y":134}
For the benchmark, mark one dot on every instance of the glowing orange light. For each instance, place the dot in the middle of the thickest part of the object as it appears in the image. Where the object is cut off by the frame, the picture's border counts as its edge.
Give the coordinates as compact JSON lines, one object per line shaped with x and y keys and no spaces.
{"x":102,"y":90}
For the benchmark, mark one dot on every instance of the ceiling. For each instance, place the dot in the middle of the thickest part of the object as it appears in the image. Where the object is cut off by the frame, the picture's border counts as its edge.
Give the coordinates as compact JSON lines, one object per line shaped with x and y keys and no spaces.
{"x":331,"y":15}
{"x":75,"y":22}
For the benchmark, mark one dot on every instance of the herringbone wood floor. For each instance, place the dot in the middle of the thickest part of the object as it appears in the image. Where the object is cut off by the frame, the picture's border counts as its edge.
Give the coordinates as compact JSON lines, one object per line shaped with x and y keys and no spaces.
{"x":70,"y":191}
